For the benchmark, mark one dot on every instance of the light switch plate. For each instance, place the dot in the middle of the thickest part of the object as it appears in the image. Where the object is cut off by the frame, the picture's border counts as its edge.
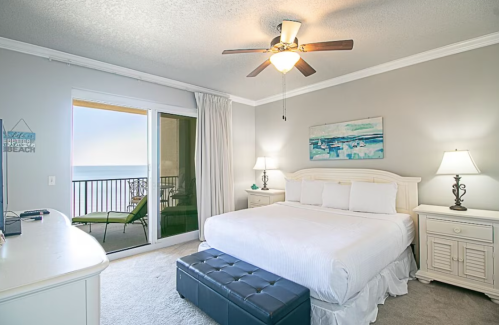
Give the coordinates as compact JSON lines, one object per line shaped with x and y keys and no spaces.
{"x":51,"y":180}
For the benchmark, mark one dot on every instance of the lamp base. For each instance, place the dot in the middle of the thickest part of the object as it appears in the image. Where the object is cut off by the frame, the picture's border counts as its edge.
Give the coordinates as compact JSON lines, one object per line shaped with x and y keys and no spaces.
{"x":456,"y":190}
{"x":265,"y":179}
{"x":458,"y":208}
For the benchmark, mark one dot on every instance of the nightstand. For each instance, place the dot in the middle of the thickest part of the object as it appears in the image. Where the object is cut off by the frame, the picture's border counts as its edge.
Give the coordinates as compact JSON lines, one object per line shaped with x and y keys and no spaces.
{"x":460,"y":248}
{"x":259,"y":198}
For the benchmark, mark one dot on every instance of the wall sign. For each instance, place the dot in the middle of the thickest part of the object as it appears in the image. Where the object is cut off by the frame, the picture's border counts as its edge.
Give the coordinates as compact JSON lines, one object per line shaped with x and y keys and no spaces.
{"x":20,"y":141}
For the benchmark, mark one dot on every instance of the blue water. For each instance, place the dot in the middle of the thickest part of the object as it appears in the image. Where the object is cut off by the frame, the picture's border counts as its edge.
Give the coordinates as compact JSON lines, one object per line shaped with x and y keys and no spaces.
{"x":108,"y":172}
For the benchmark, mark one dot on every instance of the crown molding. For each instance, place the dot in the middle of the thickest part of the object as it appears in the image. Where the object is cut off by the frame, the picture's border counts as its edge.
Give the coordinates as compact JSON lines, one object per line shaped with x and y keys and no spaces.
{"x":76,"y":60}
{"x":437,"y":53}
{"x":242,"y":100}
{"x":72,"y":59}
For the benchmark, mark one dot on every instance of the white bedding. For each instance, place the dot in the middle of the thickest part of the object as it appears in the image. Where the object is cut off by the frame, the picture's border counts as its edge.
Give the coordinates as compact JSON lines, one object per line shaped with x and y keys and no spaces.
{"x":332,"y":252}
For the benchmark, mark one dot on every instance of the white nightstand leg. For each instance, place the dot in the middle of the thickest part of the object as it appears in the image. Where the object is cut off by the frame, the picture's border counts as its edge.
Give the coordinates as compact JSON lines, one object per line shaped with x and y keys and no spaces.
{"x":494,"y":298}
{"x":424,"y":280}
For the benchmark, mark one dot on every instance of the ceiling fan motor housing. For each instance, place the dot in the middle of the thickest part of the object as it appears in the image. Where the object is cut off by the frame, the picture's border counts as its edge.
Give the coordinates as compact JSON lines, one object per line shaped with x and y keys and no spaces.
{"x":276,"y":44}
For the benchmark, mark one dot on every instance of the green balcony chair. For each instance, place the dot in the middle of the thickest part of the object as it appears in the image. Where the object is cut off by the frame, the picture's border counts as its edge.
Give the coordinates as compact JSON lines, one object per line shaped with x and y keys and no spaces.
{"x":138,"y":214}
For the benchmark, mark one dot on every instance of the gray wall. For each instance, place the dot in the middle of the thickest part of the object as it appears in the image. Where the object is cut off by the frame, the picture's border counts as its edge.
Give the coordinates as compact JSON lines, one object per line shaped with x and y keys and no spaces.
{"x":427,"y":109}
{"x":243,"y":118}
{"x":40,"y":92}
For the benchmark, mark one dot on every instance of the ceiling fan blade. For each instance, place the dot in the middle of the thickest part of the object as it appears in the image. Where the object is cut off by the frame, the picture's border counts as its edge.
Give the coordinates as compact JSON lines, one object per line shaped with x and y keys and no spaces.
{"x":260,"y":68}
{"x":289,"y":29}
{"x":328,"y":46}
{"x":245,"y":51}
{"x":304,"y":68}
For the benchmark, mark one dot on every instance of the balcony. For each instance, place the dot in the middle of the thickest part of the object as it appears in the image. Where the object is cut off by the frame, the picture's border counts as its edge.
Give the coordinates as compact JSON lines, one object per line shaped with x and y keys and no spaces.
{"x":177,"y":208}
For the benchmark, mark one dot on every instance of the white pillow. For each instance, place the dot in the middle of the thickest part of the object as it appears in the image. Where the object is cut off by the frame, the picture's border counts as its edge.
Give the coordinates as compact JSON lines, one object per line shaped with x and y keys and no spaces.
{"x":373,"y":197}
{"x":311,"y":192}
{"x":336,"y":196}
{"x":293,"y":190}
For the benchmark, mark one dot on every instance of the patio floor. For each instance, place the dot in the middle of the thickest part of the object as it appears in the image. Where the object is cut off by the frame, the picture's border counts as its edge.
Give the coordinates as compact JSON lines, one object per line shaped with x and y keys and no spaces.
{"x":175,"y":221}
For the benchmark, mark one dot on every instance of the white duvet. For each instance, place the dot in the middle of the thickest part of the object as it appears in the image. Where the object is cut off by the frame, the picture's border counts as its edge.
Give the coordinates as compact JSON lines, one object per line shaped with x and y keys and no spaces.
{"x":332,"y":252}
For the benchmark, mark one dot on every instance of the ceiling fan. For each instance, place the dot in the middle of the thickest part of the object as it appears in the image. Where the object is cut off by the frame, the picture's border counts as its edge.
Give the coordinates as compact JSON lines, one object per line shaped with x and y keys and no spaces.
{"x":286,"y":47}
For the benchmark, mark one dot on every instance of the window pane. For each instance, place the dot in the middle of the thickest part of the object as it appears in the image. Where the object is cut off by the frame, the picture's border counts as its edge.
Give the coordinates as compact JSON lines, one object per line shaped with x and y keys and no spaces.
{"x":110,"y":174}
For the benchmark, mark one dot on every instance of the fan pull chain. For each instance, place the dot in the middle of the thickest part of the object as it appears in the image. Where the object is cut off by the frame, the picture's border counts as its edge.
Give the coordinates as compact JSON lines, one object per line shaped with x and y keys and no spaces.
{"x":284,"y":108}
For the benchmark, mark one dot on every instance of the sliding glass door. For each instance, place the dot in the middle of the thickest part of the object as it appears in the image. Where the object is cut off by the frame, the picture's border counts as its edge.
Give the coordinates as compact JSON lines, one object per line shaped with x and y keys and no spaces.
{"x":177,"y":177}
{"x":133,"y":161}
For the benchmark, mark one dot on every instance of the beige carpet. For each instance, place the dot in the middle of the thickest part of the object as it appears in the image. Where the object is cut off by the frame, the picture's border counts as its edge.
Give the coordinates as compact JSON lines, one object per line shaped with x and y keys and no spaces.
{"x":140,"y":290}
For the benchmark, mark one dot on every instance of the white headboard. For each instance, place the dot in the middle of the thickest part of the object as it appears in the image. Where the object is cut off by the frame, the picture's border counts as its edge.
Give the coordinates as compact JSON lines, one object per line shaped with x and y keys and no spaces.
{"x":407,"y":195}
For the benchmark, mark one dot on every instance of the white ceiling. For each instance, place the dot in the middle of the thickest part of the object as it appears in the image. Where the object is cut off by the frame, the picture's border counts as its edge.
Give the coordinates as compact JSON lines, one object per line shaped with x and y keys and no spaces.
{"x":183,"y":40}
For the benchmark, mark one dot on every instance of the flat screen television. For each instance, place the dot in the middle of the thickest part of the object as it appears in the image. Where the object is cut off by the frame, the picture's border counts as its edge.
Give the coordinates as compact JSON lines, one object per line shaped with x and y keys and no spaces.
{"x":3,"y":178}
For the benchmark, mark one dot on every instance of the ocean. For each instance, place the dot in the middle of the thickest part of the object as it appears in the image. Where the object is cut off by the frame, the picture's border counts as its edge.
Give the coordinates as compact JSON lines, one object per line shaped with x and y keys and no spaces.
{"x":81,"y":173}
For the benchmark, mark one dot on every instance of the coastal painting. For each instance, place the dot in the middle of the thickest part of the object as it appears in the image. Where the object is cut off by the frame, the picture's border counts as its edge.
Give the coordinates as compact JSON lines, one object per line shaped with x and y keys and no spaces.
{"x":362,"y":139}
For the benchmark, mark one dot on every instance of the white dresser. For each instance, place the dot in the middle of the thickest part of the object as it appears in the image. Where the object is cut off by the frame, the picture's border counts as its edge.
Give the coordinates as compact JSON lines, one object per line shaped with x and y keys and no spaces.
{"x":50,"y":275}
{"x":460,"y":248}
{"x":259,"y":198}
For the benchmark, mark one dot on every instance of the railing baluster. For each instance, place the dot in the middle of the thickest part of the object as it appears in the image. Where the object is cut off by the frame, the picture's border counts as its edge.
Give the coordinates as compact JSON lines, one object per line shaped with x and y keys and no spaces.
{"x":121,"y":195}
{"x":92,"y":196}
{"x":101,"y":190}
{"x":86,"y":196}
{"x":79,"y":199}
{"x":74,"y":197}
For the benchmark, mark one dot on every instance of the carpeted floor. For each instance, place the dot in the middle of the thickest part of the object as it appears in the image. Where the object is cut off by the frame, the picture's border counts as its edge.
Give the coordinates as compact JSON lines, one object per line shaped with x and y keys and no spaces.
{"x":140,"y":290}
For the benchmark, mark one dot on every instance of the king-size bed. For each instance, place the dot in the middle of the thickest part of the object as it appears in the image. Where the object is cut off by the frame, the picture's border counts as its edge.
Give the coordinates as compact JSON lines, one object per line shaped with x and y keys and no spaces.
{"x":351,"y":261}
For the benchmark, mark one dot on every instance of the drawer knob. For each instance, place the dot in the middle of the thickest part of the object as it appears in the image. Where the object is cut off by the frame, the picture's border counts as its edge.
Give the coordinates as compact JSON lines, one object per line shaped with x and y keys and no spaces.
{"x":454,"y":258}
{"x":461,"y":260}
{"x":457,"y":230}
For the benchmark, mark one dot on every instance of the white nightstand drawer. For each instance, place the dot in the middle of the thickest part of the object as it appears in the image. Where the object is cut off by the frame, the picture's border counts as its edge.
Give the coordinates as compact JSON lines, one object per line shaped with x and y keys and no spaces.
{"x":258,"y":200}
{"x":255,"y":206}
{"x":460,"y":229}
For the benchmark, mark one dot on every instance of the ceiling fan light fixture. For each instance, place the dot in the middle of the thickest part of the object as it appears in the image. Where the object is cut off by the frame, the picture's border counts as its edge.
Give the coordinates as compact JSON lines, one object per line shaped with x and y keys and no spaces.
{"x":284,"y":61}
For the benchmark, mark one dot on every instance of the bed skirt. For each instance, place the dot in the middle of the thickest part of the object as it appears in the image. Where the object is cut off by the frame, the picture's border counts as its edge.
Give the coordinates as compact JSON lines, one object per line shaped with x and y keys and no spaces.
{"x":362,"y":309}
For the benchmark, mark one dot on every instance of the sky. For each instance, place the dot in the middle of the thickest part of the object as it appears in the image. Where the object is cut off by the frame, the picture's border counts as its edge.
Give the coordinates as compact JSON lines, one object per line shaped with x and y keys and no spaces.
{"x":108,"y":138}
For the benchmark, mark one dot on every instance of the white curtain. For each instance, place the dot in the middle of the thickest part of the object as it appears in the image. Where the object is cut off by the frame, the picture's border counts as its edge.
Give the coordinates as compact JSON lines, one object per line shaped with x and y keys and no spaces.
{"x":214,"y":173}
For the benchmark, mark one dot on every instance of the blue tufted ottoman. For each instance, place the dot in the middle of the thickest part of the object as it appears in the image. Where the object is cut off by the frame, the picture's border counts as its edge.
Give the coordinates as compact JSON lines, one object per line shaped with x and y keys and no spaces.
{"x":233,"y":292}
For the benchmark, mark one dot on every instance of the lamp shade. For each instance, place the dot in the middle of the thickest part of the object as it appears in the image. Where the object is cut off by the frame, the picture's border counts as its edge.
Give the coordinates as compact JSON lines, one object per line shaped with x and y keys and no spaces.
{"x":457,"y":163}
{"x":265,"y":163}
{"x":284,"y":61}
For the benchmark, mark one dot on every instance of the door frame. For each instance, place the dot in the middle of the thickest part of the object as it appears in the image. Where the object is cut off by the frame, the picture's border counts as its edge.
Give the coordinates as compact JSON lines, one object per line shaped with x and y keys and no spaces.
{"x":153,"y":110}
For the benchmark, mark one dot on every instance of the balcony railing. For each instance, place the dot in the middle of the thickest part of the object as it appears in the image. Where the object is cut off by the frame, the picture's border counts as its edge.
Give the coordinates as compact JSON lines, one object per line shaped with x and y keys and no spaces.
{"x":102,"y":195}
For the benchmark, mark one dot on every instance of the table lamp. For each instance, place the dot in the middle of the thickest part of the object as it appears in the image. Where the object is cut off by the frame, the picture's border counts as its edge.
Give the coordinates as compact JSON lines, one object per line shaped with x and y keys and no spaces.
{"x":457,"y":163}
{"x":265,"y":163}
